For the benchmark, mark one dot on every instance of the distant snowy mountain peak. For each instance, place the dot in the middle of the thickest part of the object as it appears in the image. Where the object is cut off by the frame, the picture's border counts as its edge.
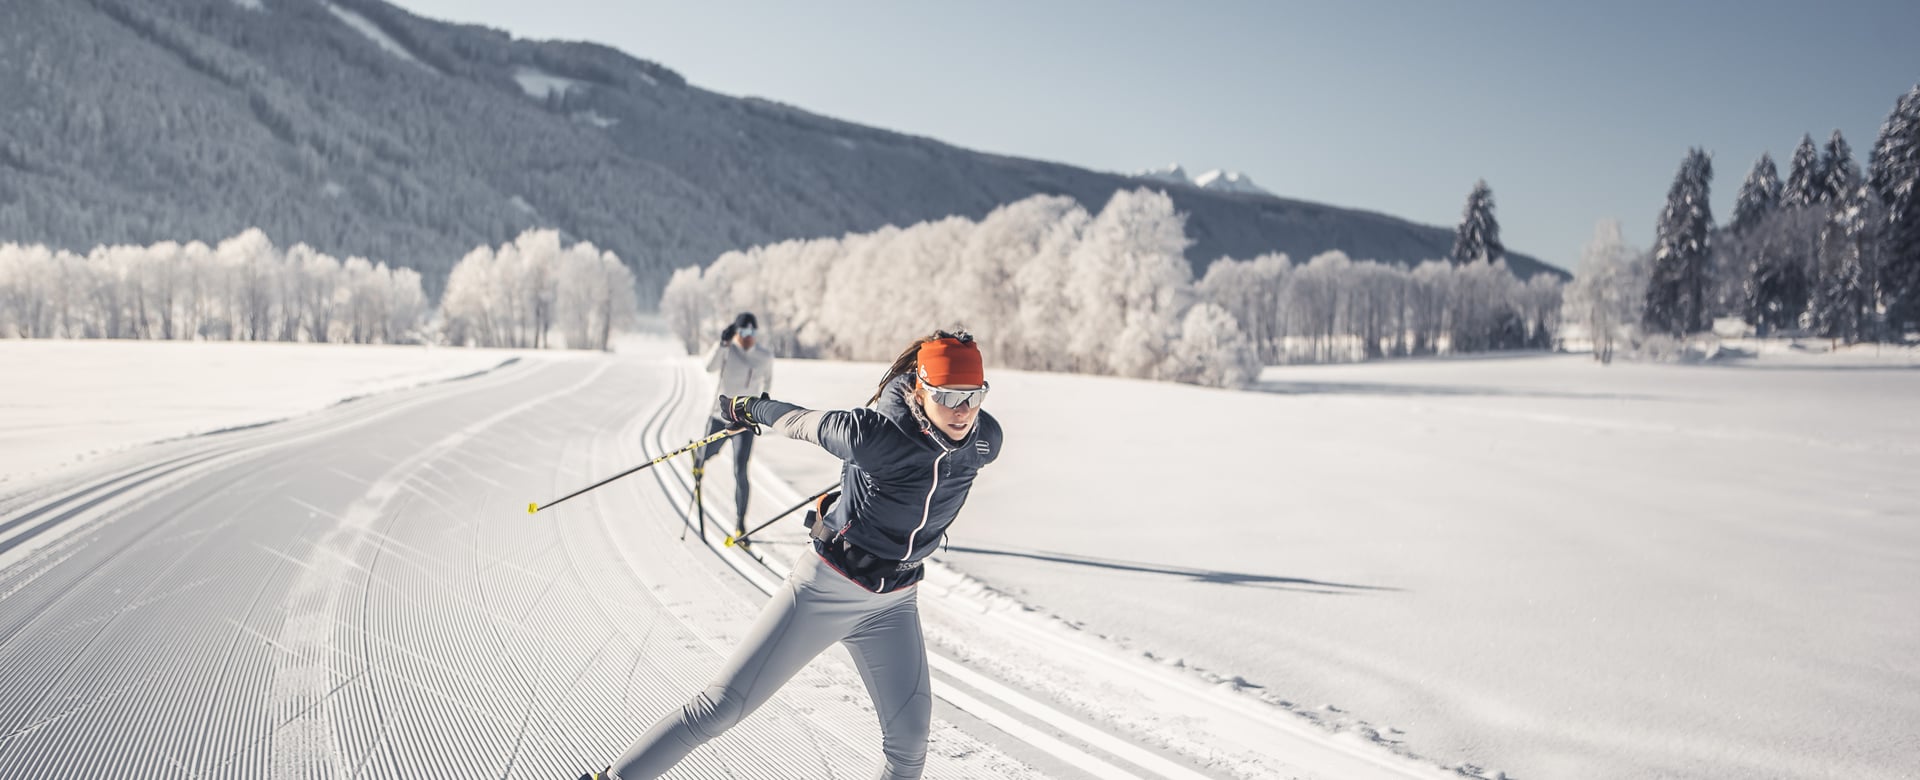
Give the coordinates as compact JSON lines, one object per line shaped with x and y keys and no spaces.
{"x":1217,"y":180}
{"x":1228,"y":181}
{"x":1172,"y":174}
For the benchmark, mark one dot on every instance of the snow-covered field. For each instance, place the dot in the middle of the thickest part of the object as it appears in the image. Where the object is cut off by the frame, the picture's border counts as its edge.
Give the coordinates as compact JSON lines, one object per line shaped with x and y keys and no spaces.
{"x":65,"y":401}
{"x":1529,"y":565}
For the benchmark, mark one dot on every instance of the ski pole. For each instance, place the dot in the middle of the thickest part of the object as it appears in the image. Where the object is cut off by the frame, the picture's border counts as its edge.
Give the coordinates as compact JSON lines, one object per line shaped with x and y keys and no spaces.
{"x":699,"y":474}
{"x":532,"y":508}
{"x":732,"y":540}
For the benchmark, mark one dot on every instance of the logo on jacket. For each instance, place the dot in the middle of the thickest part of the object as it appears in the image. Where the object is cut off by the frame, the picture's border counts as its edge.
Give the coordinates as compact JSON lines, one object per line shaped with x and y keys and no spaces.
{"x":981,"y":446}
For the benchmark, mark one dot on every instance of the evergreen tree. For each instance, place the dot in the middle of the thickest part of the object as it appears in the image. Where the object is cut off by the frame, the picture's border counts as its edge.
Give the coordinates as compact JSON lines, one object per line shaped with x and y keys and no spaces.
{"x":1677,"y":291}
{"x":1782,"y":248}
{"x":1759,"y":196}
{"x":1804,"y":178}
{"x":1737,"y":257}
{"x":1895,"y":176}
{"x":1478,"y":237}
{"x":1842,"y":304}
{"x":1839,"y":173}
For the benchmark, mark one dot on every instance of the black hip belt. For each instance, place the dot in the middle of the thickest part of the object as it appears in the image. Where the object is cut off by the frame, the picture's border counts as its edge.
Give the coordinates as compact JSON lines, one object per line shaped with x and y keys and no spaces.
{"x":873,"y":572}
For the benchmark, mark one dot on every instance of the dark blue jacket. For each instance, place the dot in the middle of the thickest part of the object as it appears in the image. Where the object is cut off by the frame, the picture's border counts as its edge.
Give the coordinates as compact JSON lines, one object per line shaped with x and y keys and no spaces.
{"x":902,"y":483}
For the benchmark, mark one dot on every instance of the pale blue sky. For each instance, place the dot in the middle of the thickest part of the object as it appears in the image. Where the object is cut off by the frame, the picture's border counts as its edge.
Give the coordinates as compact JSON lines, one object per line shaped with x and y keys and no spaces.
{"x":1571,"y":112}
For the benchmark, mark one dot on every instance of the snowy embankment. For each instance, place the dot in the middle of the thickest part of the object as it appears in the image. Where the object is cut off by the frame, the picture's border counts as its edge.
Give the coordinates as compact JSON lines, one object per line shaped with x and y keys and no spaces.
{"x":67,"y":401}
{"x":1531,"y":565}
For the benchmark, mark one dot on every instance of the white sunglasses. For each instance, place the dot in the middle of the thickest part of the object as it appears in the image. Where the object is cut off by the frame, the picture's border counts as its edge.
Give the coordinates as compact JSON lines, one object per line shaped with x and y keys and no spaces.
{"x":954,"y":399}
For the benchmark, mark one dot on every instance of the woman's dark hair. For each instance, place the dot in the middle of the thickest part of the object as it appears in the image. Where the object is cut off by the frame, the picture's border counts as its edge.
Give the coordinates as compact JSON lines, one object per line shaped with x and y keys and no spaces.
{"x":909,"y":360}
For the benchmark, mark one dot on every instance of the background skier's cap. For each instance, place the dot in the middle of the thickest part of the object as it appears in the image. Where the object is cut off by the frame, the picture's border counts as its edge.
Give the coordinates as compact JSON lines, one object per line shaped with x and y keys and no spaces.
{"x":951,"y":361}
{"x":746,"y":320}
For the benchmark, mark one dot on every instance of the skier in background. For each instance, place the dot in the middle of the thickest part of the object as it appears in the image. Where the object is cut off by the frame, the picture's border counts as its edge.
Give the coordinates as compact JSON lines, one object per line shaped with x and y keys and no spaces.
{"x":909,"y":460}
{"x":745,"y":369}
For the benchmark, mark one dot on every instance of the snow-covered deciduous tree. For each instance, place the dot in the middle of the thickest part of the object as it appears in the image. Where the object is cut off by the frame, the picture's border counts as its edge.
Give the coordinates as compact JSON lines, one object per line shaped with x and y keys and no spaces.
{"x":1050,"y":286}
{"x":1253,"y":291}
{"x":1128,"y":284}
{"x":1211,"y":350}
{"x":1040,"y":285}
{"x":1606,"y":293}
{"x":518,"y":294}
{"x":1477,"y":240}
{"x":683,"y":305}
{"x":243,"y":289}
{"x":29,"y":277}
{"x":995,"y":253}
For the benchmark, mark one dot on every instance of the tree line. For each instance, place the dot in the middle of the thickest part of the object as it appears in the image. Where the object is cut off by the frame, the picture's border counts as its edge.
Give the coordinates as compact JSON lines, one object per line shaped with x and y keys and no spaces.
{"x":1045,"y":284}
{"x":246,"y":289}
{"x":1832,"y":251}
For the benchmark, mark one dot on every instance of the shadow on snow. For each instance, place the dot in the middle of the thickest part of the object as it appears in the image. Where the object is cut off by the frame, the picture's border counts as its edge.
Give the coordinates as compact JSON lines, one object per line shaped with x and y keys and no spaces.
{"x":1263,"y":581}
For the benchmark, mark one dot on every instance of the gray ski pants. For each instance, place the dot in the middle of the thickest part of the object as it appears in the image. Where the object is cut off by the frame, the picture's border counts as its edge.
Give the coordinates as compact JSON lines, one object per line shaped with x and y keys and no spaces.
{"x":742,"y":452}
{"x":817,"y":607}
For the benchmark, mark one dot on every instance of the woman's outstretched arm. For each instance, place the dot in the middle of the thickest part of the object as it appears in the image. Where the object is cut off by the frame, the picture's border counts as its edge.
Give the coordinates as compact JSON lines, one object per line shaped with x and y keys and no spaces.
{"x":839,"y":431}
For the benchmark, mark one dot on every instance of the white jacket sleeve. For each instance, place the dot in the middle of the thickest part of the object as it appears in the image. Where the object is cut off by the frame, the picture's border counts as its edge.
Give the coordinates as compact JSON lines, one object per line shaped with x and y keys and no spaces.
{"x":716,"y":358}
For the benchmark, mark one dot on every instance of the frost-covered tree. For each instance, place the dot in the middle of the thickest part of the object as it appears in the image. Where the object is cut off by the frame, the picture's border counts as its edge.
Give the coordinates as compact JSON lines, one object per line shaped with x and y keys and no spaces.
{"x":243,"y":289}
{"x":1894,"y":173}
{"x":29,"y":279}
{"x":512,"y":296}
{"x":1252,"y":291}
{"x":1054,"y":288}
{"x":1211,"y":350}
{"x":596,"y":297}
{"x":1041,"y":287}
{"x":1129,"y":284}
{"x":683,"y":305}
{"x":995,"y":253}
{"x":1805,"y":178}
{"x":1676,"y":300}
{"x":1477,"y":239}
{"x":1608,"y":291}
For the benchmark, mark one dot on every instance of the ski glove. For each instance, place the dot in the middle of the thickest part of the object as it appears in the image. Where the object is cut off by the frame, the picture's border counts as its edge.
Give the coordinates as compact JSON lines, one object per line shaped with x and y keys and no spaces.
{"x":727,"y":334}
{"x":735,"y":410}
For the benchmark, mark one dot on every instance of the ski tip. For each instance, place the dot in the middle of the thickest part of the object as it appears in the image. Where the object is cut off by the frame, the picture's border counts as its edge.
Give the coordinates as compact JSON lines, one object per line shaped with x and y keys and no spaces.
{"x":532,"y":508}
{"x":729,"y":541}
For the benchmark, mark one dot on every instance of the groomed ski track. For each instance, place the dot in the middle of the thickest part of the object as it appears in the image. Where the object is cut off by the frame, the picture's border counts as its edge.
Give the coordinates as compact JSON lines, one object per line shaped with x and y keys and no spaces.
{"x":360,"y":593}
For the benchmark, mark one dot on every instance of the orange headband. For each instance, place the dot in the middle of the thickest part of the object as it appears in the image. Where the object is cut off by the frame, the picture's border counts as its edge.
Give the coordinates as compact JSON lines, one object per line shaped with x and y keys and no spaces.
{"x":951,"y":361}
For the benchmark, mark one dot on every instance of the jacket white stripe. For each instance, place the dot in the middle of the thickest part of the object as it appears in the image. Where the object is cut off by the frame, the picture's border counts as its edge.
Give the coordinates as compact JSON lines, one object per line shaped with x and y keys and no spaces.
{"x":927,"y":510}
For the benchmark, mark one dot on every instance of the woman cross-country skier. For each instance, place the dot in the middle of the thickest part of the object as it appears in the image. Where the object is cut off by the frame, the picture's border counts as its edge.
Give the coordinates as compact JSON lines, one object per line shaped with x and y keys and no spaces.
{"x":909,"y":460}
